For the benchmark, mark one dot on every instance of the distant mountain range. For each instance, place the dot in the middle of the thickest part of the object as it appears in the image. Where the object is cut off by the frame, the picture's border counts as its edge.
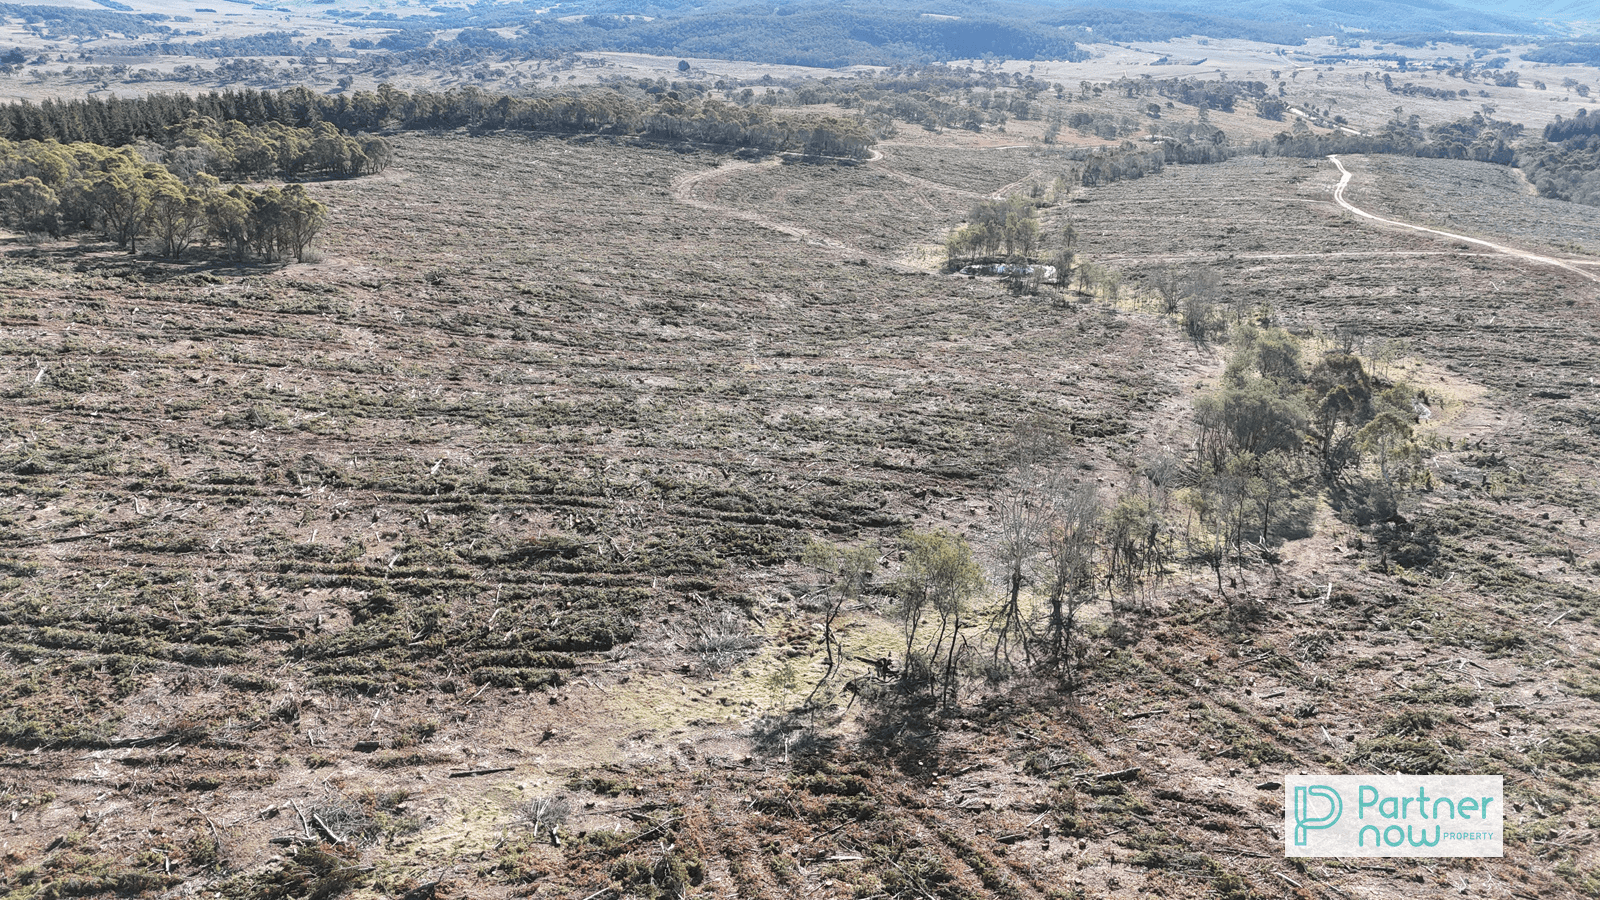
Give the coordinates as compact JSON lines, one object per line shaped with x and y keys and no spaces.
{"x":1159,"y":19}
{"x":1365,"y":15}
{"x":1586,"y":12}
{"x":834,"y":33}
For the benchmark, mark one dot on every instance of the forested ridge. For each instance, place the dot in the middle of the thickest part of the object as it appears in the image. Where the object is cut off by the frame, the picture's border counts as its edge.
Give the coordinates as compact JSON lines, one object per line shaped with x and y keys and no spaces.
{"x":60,"y":22}
{"x":852,"y":32}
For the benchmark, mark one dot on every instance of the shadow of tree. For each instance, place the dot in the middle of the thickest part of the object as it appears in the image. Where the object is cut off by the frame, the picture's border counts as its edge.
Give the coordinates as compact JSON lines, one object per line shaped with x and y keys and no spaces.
{"x":797,"y":733}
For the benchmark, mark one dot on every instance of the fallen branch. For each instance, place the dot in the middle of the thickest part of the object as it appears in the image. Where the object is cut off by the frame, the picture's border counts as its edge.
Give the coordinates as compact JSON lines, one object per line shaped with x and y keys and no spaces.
{"x":830,"y":831}
{"x":469,"y":773}
{"x":645,"y":834}
{"x":305,"y":827}
{"x":215,"y":837}
{"x":1119,"y":775}
{"x":326,"y":830}
{"x":1239,"y":851}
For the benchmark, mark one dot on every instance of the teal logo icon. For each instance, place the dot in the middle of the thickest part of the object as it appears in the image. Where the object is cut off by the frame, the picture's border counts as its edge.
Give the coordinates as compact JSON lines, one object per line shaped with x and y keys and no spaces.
{"x":1311,"y":815}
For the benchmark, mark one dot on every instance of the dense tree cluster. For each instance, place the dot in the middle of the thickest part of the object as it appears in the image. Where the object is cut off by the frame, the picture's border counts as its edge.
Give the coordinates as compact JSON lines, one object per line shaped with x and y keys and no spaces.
{"x":1182,"y":143}
{"x":1476,"y":137}
{"x":235,"y":135}
{"x":1275,"y":431}
{"x":116,"y":121}
{"x":1271,"y":108}
{"x":1125,"y":162}
{"x":1580,"y":126}
{"x":1218,"y":95}
{"x":234,"y":150}
{"x":1566,"y":53}
{"x":1008,"y":228}
{"x":670,"y":117}
{"x":1103,"y":125}
{"x":53,"y":188}
{"x":1567,"y":165}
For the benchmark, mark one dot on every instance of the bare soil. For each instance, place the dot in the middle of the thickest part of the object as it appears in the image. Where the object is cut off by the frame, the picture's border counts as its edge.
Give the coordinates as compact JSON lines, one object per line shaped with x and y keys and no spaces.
{"x":517,"y":476}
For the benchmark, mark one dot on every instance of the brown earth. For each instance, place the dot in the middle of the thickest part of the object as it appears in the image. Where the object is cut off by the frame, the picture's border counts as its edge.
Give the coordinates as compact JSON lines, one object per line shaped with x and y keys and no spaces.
{"x":516,"y":477}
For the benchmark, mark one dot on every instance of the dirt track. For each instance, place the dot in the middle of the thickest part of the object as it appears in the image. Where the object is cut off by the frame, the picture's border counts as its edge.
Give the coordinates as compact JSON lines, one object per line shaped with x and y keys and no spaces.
{"x":701,"y":189}
{"x":1344,"y":181}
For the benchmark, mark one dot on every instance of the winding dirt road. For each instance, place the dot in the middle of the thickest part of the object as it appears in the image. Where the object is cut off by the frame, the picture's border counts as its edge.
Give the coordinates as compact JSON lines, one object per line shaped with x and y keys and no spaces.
{"x":699,"y":189}
{"x":686,"y":188}
{"x":1344,"y":181}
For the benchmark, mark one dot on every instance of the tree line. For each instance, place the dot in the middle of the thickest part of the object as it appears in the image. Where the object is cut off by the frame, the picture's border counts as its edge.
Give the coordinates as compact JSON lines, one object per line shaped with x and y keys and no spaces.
{"x":1476,"y":137}
{"x":53,"y":188}
{"x":236,"y":151}
{"x":668,"y":115}
{"x":119,"y":121}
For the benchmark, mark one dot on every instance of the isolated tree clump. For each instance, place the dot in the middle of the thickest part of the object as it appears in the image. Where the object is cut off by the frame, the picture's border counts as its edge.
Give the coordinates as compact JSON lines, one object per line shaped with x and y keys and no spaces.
{"x":1006,"y":228}
{"x":938,"y":575}
{"x":846,"y":574}
{"x":1274,"y":434}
